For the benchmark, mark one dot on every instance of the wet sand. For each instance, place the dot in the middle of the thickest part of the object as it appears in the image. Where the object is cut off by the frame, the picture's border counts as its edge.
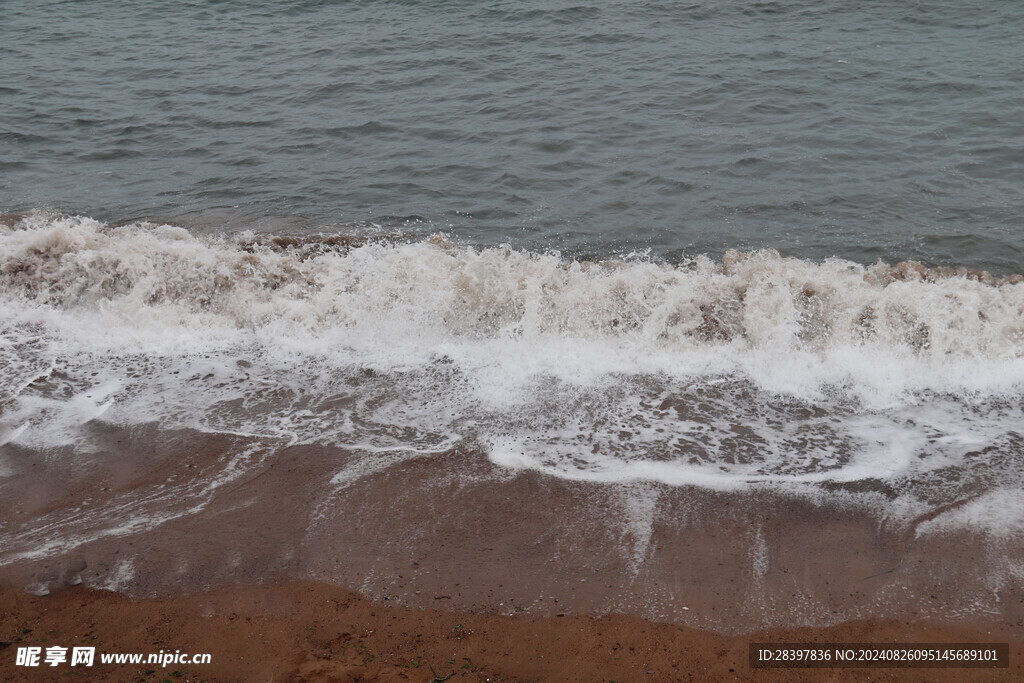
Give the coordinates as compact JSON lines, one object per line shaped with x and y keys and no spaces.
{"x":306,"y":631}
{"x":215,"y":538}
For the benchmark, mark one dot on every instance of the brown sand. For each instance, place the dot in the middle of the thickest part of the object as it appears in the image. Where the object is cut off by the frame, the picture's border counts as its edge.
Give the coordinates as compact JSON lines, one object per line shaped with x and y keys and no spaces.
{"x":456,"y":525}
{"x":306,"y":631}
{"x":258,"y":570}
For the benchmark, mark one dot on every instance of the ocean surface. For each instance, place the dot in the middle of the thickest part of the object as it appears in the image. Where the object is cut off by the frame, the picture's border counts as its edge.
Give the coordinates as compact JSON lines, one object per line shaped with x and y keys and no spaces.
{"x":733,"y":246}
{"x":819,"y":128}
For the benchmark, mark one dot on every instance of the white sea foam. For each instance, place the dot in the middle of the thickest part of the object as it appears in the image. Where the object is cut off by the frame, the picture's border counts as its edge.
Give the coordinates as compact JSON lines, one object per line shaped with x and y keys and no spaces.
{"x":118,"y":577}
{"x":757,"y":369}
{"x":128,"y":513}
{"x":1000,"y":512}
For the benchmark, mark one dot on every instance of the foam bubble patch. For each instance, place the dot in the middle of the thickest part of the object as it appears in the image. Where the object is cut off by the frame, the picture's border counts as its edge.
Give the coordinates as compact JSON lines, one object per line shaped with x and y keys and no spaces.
{"x":753,"y":370}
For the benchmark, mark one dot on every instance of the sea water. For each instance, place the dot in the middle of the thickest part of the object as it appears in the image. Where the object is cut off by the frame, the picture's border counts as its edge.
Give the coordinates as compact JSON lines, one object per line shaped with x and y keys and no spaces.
{"x":724,"y":245}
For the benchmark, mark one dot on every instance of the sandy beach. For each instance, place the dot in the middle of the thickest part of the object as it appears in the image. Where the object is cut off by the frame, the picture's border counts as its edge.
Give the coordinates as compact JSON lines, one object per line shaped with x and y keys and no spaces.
{"x":457,"y":566}
{"x":306,"y":631}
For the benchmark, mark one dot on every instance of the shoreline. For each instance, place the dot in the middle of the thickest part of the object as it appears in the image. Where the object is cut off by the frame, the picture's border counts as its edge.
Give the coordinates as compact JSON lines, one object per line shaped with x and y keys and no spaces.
{"x":491,"y":540}
{"x":310,"y":631}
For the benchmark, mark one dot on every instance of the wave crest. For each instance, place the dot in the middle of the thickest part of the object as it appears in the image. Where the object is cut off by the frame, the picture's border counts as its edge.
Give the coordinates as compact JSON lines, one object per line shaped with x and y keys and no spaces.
{"x":140,"y":272}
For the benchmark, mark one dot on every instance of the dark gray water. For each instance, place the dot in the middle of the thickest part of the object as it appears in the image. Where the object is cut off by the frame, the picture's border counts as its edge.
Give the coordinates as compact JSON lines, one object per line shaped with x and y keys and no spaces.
{"x":817,"y":127}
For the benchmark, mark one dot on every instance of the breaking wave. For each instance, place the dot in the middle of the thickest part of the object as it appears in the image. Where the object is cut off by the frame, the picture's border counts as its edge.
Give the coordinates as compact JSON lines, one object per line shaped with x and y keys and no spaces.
{"x":755,"y":368}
